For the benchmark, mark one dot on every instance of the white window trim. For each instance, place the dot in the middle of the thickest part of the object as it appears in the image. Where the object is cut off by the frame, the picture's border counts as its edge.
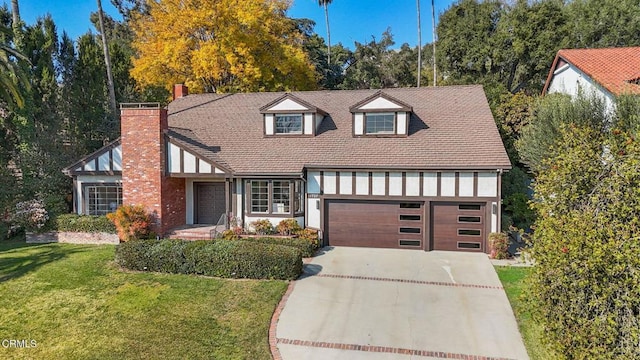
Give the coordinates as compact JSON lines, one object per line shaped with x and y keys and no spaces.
{"x":275,"y":123}
{"x":392,"y":132}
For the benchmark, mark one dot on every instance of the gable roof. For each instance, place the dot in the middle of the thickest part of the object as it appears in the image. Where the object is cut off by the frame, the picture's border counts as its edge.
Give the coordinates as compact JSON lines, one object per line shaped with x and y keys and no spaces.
{"x":450,"y":128}
{"x":288,"y":96}
{"x":615,"y":69}
{"x":91,"y":164}
{"x":380,"y":95}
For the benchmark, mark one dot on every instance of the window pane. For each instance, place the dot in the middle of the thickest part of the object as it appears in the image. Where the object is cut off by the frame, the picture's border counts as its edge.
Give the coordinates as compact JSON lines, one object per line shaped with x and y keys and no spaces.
{"x":382,"y":123}
{"x":103,"y":199}
{"x":281,"y":197}
{"x":298,"y":197}
{"x":259,"y":196}
{"x":288,"y":124}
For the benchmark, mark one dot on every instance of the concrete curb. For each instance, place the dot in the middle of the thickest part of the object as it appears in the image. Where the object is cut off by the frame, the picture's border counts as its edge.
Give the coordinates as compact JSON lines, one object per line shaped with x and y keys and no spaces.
{"x":273,"y":327}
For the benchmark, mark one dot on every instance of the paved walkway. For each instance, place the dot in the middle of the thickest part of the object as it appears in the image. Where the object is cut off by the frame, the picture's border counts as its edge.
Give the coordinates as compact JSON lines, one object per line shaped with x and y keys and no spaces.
{"x":359,"y":303}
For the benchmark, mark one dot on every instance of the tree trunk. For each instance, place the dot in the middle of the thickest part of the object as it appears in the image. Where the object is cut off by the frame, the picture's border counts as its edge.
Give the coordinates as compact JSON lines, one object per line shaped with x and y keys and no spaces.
{"x":326,"y":17}
{"x":433,"y":20}
{"x":419,"y":43}
{"x":107,"y":62}
{"x":16,"y":25}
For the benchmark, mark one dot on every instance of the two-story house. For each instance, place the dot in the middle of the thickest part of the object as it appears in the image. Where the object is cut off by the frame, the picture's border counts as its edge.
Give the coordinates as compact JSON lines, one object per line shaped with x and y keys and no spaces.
{"x":414,"y":168}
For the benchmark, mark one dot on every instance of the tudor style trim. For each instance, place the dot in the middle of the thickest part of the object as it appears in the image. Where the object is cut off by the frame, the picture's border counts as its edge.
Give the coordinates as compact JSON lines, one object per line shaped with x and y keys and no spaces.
{"x":266,"y":109}
{"x":217,"y":170}
{"x":357,"y":107}
{"x":72,"y":169}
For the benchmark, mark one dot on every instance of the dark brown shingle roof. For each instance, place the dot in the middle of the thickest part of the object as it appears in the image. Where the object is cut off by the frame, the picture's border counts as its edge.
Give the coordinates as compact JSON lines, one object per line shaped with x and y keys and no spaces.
{"x":450,"y":128}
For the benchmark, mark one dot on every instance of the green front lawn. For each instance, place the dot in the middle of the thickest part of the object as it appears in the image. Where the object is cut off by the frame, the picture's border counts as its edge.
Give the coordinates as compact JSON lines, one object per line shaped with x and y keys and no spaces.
{"x":76,"y":303}
{"x":512,"y":279}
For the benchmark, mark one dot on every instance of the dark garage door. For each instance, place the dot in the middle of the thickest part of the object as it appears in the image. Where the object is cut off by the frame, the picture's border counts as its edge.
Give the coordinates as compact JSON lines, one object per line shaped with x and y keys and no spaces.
{"x":374,"y":224}
{"x":458,"y":226}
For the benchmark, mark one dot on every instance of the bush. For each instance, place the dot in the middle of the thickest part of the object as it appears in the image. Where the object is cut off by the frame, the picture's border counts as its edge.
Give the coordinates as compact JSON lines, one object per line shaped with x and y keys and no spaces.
{"x":309,"y":235}
{"x":499,"y":244}
{"x":132,"y":222}
{"x":30,"y":215}
{"x":585,"y":286}
{"x":262,"y":227}
{"x":82,"y":223}
{"x":4,"y":231}
{"x":305,"y":247}
{"x":227,"y":259}
{"x":230,"y":235}
{"x":287,"y":227}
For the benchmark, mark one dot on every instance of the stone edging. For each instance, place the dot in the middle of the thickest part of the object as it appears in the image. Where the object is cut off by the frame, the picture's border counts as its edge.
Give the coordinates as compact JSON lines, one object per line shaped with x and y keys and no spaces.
{"x":97,"y":238}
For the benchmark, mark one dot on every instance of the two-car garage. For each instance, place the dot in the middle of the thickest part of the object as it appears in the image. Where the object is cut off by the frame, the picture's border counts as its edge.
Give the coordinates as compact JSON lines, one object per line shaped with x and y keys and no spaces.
{"x":419,"y":225}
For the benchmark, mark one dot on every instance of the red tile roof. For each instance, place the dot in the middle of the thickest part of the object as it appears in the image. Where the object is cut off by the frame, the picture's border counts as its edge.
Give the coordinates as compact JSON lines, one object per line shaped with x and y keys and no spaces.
{"x":451,"y":127}
{"x":615,"y":69}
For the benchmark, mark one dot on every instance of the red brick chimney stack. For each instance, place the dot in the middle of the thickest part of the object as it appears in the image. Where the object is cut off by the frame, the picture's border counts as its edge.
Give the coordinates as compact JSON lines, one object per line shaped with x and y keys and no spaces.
{"x":144,"y":173}
{"x":180,"y":90}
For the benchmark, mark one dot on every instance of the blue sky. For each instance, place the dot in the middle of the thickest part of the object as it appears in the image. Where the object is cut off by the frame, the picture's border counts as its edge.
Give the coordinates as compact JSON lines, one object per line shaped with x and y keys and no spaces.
{"x":350,"y":20}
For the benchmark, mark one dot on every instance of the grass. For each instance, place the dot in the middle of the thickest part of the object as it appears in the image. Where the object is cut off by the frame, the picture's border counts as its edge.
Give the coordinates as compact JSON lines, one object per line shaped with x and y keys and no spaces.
{"x":513,"y":281}
{"x":77,"y":304}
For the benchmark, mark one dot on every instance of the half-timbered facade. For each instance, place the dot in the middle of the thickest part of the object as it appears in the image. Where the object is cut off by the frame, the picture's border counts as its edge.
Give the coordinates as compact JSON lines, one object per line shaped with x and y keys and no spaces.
{"x":416,"y":168}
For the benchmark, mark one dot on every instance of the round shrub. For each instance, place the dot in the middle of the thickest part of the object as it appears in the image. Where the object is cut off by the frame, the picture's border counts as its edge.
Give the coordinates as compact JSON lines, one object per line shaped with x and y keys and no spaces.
{"x":30,"y":215}
{"x":288,"y":227}
{"x":262,"y":227}
{"x":132,"y":222}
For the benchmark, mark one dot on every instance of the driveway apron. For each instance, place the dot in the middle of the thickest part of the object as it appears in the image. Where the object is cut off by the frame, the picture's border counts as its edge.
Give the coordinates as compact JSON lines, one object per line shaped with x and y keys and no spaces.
{"x":362,"y":303}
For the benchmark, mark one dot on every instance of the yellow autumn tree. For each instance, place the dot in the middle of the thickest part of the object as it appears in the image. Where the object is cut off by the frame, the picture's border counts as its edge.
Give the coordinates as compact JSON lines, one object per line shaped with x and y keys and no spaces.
{"x":220,"y":46}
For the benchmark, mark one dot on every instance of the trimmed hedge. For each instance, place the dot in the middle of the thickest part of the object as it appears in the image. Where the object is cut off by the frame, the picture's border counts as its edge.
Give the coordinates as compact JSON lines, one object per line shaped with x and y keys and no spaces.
{"x":81,"y":223}
{"x":226,"y":259}
{"x":306,"y":247}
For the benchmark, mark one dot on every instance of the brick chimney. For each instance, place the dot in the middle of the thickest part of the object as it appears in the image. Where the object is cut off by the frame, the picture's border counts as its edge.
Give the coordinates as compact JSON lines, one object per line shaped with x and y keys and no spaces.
{"x":144,"y":176}
{"x":180,"y":90}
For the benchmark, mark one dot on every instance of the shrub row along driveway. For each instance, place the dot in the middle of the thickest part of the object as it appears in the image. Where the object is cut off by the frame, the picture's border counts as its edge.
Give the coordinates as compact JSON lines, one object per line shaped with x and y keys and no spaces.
{"x":358,"y":303}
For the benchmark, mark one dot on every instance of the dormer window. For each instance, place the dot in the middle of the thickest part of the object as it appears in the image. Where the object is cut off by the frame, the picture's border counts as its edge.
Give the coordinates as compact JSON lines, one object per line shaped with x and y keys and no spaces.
{"x":381,"y":115}
{"x":288,"y":123}
{"x":290,"y":115}
{"x":379,"y":123}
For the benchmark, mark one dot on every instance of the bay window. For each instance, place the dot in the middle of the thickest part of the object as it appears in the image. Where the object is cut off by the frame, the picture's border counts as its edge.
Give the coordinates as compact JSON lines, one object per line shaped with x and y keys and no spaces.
{"x":277,"y":197}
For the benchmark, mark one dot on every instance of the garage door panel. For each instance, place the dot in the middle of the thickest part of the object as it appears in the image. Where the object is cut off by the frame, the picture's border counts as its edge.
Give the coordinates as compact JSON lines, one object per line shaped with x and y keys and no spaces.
{"x":374,"y":224}
{"x":458,"y":226}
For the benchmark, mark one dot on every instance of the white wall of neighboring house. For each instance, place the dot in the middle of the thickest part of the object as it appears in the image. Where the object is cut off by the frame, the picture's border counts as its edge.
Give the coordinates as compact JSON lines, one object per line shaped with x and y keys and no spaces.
{"x":570,"y":80}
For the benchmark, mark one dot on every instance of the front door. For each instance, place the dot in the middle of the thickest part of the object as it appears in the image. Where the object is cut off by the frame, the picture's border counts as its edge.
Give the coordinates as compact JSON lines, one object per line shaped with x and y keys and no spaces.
{"x":209,"y":202}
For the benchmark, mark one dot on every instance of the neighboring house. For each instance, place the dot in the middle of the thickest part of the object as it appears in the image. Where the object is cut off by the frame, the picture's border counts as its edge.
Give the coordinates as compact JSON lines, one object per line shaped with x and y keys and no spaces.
{"x":415,"y":168}
{"x":607,"y":73}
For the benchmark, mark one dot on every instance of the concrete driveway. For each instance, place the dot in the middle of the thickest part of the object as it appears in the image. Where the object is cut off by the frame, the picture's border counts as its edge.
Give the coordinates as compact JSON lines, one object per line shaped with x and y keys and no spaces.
{"x":359,"y":303}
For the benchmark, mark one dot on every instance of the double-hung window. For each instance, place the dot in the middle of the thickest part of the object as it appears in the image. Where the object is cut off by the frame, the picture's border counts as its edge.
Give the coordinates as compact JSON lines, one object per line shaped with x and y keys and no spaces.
{"x":379,"y":123}
{"x":279,"y":197}
{"x":281,"y":203}
{"x":259,"y":196}
{"x":288,"y":123}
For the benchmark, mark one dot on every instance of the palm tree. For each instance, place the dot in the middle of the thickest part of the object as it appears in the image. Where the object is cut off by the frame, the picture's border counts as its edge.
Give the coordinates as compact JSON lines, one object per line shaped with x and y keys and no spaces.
{"x":12,"y":79}
{"x":325,"y":4}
